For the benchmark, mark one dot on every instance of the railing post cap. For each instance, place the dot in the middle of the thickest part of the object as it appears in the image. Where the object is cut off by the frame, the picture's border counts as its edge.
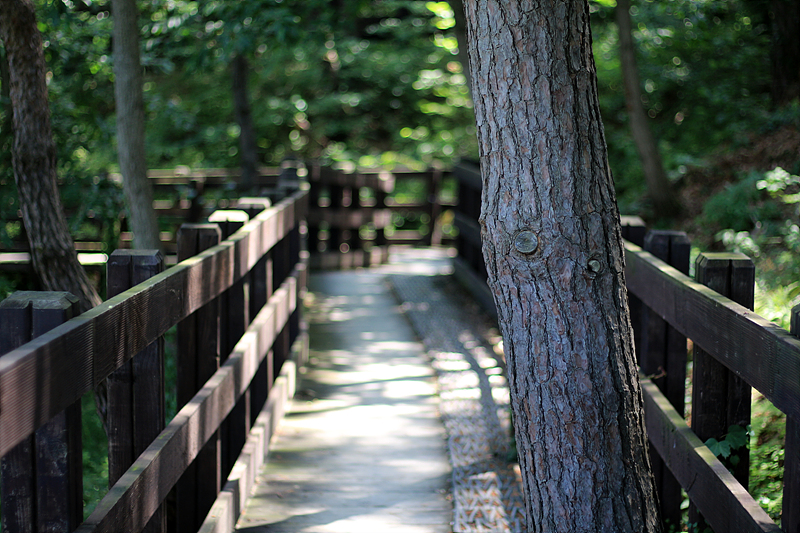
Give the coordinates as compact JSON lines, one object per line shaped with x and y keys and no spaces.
{"x":39,"y":300}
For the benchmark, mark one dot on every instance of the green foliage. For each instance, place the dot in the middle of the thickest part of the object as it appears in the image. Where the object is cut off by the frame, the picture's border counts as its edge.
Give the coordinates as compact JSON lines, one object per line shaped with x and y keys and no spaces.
{"x":704,"y":71}
{"x":766,"y":456}
{"x":761,"y":214}
{"x":8,"y":284}
{"x":95,"y":455}
{"x":738,"y":437}
{"x":735,"y":206}
{"x":382,"y":87}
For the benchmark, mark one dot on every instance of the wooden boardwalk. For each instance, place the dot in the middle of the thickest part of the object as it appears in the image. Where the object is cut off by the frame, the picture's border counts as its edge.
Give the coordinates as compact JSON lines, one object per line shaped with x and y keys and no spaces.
{"x":363,"y":448}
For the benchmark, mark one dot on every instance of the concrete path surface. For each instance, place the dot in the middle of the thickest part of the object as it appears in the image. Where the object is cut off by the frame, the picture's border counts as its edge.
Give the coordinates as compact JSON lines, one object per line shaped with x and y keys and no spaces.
{"x":363,"y":448}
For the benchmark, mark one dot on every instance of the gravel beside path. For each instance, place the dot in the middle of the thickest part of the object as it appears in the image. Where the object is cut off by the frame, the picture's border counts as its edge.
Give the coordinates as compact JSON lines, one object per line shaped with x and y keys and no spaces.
{"x":474,"y":401}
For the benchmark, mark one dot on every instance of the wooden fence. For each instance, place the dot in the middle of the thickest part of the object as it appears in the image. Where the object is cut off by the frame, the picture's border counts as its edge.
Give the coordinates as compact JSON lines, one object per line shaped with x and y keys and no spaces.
{"x":239,"y":334}
{"x":734,"y":350}
{"x":353,"y":218}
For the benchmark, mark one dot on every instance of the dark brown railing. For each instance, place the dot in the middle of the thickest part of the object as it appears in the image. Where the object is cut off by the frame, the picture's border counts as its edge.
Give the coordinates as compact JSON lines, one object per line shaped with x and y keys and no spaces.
{"x":236,"y":307}
{"x":353,"y":217}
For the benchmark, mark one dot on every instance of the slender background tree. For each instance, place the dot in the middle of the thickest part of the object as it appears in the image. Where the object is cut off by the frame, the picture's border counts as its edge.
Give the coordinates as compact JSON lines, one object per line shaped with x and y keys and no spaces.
{"x":34,"y":157}
{"x":553,"y":252}
{"x":129,"y":99}
{"x":661,"y":193}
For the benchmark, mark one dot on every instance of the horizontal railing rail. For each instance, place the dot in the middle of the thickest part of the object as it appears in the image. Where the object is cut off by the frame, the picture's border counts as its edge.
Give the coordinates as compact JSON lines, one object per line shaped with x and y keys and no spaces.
{"x":353,"y":218}
{"x":759,"y":351}
{"x":103,"y":338}
{"x":134,"y":499}
{"x":49,"y":374}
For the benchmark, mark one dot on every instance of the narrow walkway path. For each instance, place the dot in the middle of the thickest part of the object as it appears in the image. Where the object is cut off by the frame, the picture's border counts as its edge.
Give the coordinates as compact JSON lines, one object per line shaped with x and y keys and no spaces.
{"x":363,"y":448}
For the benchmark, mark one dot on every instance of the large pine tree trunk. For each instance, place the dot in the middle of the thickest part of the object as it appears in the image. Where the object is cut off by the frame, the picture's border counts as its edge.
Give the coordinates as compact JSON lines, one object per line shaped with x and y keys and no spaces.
{"x":553,"y":250}
{"x":34,"y":157}
{"x":665,"y":201}
{"x":128,"y":93}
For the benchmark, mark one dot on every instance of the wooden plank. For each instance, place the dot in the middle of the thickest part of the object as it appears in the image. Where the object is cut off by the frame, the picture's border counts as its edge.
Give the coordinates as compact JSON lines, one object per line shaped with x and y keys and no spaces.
{"x":761,"y":352}
{"x":790,"y":517}
{"x":136,"y":496}
{"x":198,"y":358}
{"x":719,"y":398}
{"x":135,"y":390}
{"x":468,"y":175}
{"x":377,"y":179}
{"x":662,"y":353}
{"x":231,"y":501}
{"x":633,"y":229}
{"x":725,"y":504}
{"x":351,"y":219}
{"x":261,"y":289}
{"x":103,"y":338}
{"x":18,"y":497}
{"x":138,"y":412}
{"x":233,"y":323}
{"x":42,"y":480}
{"x":252,"y":205}
{"x":21,"y":261}
{"x":732,"y":275}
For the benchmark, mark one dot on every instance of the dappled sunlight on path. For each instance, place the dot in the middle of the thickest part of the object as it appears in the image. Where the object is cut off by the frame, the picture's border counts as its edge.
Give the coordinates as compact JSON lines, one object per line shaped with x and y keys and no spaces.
{"x":363,"y":448}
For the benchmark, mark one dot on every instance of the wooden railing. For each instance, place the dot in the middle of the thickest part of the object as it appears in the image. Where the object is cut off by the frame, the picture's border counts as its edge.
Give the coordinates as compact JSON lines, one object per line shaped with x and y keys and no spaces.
{"x":236,"y":307}
{"x":353,"y":218}
{"x":733,"y":350}
{"x":352,"y":215}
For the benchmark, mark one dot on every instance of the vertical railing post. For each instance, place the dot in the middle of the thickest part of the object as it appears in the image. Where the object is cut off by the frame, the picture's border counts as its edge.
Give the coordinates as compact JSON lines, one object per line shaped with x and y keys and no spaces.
{"x":234,"y":319}
{"x":469,"y":207}
{"x":662,"y":355}
{"x":790,"y":518}
{"x":261,"y":288}
{"x":384,"y":185}
{"x":634,"y":230}
{"x":135,"y":390}
{"x":721,"y":399}
{"x":314,"y":201}
{"x":433,"y":209}
{"x":198,"y":359}
{"x":42,"y":480}
{"x":335,"y":233}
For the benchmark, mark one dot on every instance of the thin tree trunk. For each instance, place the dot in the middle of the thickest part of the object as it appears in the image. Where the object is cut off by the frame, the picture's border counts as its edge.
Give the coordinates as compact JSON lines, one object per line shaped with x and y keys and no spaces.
{"x":665,"y":202}
{"x":248,"y":149}
{"x":34,"y":160}
{"x":785,"y":16}
{"x":34,"y":157}
{"x":129,"y":96}
{"x":553,"y":249}
{"x":461,"y":35}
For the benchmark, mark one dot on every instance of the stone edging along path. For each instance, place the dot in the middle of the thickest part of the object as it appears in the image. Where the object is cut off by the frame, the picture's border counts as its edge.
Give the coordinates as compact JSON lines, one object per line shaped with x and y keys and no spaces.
{"x":474,"y":402}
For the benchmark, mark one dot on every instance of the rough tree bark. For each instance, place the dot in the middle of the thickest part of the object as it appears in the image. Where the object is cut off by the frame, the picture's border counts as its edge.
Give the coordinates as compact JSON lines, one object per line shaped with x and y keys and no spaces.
{"x":248,"y":149}
{"x":553,"y":250}
{"x":34,"y":157}
{"x":129,"y":97}
{"x":665,"y":201}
